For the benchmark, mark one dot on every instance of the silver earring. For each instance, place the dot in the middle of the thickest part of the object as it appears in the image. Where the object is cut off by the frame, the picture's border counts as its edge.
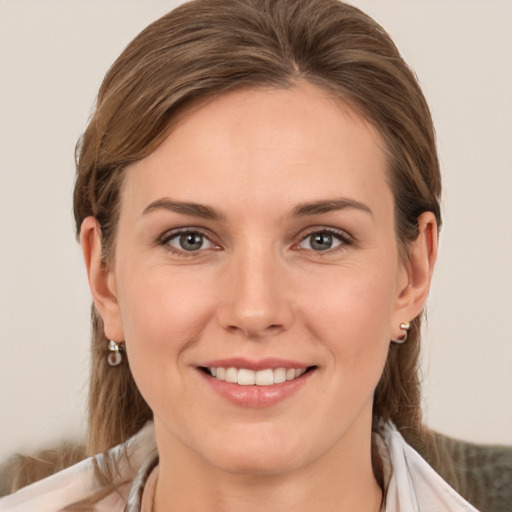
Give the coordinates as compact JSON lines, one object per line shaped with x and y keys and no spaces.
{"x":114,"y":357}
{"x":405,"y":326}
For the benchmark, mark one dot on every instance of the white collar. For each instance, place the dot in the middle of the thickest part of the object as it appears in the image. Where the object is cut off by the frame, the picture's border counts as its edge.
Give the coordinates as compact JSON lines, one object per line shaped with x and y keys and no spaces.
{"x":411,"y":484}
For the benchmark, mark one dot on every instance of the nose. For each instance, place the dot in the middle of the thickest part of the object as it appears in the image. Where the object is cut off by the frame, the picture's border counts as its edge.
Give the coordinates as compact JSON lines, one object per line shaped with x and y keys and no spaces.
{"x":255,"y":299}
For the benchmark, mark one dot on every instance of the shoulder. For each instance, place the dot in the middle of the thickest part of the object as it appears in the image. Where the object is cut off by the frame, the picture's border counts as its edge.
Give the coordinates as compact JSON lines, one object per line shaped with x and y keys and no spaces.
{"x":483,"y":471}
{"x":56,"y":492}
{"x":78,"y":484}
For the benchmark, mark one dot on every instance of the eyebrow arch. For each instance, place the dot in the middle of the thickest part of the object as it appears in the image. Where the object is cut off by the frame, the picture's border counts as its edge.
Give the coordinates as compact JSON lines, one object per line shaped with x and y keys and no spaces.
{"x":184,"y":208}
{"x":329,"y":205}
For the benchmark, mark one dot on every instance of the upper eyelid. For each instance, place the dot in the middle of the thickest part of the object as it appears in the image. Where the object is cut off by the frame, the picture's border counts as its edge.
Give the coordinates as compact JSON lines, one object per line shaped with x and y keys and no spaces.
{"x":324,"y":229}
{"x":171,"y":233}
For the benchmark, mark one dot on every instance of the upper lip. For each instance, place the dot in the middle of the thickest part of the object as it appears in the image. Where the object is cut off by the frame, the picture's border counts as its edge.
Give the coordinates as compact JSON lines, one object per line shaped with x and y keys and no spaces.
{"x":251,"y":364}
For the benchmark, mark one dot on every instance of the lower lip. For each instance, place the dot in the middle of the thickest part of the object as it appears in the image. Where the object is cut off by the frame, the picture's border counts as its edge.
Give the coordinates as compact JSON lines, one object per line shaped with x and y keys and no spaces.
{"x":256,"y":397}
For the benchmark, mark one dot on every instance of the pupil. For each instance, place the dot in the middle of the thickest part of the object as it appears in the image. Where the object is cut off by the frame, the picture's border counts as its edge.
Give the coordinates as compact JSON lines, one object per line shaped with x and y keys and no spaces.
{"x":191,"y":241}
{"x":321,"y":242}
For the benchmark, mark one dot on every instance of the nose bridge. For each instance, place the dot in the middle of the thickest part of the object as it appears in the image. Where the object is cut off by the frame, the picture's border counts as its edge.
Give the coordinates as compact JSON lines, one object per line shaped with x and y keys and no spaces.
{"x":255,"y":301}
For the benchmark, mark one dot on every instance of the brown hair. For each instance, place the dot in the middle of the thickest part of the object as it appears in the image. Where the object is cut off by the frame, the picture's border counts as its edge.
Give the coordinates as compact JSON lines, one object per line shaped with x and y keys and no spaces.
{"x":205,"y":48}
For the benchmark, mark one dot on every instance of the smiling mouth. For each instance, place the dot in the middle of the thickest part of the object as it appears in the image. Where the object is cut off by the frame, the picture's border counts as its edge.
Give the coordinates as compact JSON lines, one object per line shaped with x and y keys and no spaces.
{"x":246,"y":377}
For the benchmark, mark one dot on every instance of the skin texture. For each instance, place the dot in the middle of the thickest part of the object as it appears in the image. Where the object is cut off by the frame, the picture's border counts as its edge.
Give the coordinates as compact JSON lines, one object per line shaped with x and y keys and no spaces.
{"x":257,"y":288}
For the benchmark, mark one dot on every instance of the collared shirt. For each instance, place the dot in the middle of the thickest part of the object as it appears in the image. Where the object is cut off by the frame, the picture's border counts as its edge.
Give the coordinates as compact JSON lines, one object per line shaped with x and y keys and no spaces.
{"x":411,"y":484}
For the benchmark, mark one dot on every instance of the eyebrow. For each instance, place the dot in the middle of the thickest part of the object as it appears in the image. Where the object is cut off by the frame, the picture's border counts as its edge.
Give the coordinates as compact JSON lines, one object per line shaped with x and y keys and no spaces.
{"x":207,"y":212}
{"x":185,"y":208}
{"x":329,"y":205}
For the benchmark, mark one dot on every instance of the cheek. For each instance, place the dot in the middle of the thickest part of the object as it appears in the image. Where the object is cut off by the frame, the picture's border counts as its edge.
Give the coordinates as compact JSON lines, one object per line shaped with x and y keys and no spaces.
{"x":163,"y":314}
{"x":351,"y":311}
{"x":350,"y":305}
{"x":163,"y":301}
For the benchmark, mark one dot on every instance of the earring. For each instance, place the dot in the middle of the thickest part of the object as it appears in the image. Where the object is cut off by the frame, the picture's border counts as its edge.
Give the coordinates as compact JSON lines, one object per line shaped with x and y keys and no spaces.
{"x":115,"y":357}
{"x":404,"y":326}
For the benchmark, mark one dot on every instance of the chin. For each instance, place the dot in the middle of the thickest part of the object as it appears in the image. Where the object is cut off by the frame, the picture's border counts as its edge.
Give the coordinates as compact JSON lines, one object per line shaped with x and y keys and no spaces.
{"x":258,"y":464}
{"x":265,"y":455}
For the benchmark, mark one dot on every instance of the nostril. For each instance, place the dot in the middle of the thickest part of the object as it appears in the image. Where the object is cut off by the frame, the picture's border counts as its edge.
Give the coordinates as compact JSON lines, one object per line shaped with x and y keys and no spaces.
{"x":253,"y":331}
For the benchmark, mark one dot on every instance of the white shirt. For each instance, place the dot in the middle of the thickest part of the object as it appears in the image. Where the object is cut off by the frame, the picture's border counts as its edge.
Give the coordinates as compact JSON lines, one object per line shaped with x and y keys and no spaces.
{"x":411,"y":484}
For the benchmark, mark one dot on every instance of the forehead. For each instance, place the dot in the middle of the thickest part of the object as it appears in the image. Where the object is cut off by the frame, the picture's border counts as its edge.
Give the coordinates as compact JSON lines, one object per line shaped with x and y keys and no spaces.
{"x":264,"y":145}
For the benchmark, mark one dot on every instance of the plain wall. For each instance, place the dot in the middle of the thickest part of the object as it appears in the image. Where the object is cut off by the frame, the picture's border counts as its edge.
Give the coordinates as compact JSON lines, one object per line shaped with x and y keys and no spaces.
{"x":53,"y":55}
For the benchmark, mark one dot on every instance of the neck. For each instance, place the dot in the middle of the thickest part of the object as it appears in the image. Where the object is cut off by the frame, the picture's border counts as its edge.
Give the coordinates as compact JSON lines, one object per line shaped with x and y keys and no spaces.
{"x":341,"y":480}
{"x":276,"y":494}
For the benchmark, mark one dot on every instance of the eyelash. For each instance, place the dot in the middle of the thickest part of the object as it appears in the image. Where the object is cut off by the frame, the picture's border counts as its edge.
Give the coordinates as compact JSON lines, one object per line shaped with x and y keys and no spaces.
{"x":341,"y":236}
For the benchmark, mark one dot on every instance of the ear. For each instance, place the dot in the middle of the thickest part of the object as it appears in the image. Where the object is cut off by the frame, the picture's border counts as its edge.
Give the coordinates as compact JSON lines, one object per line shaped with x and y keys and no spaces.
{"x":101,"y":279}
{"x":417,"y":271}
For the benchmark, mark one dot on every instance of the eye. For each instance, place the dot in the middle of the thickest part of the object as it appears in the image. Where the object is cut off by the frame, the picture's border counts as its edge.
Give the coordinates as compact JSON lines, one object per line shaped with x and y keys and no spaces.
{"x":188,"y":241}
{"x":323,"y":241}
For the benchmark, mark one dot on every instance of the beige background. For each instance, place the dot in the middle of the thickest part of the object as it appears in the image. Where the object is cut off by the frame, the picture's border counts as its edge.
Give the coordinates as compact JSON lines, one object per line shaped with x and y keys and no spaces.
{"x":53,"y":55}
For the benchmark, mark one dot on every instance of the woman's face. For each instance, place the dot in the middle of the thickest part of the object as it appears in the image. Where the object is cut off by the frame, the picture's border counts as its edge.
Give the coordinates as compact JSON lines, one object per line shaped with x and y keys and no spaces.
{"x":259,"y":240}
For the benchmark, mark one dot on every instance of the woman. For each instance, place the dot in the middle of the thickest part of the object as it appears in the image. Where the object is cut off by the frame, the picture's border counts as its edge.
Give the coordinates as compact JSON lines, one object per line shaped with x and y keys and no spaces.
{"x":258,"y":205}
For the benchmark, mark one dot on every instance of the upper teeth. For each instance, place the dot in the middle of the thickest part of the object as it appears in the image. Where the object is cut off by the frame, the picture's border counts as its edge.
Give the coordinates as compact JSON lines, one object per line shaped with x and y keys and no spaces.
{"x":246,"y":377}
